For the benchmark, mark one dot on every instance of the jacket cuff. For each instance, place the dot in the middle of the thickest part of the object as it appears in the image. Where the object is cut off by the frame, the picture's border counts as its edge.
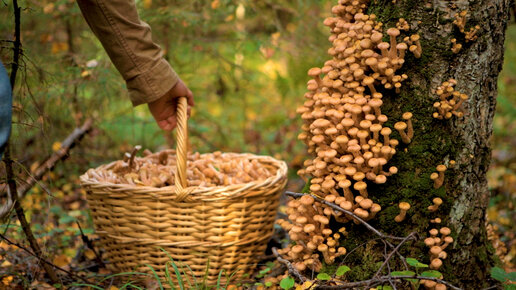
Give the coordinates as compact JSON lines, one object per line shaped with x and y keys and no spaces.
{"x":152,"y":84}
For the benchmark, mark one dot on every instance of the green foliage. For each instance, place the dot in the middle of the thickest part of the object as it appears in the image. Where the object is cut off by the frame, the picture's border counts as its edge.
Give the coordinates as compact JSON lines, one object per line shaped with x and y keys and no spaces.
{"x":287,"y":283}
{"x":415,"y":263}
{"x":323,"y":277}
{"x":501,"y":275}
{"x":341,"y":270}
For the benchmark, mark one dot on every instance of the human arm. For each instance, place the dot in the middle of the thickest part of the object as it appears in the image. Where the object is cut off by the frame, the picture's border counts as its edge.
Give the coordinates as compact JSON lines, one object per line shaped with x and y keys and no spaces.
{"x":128,"y":42}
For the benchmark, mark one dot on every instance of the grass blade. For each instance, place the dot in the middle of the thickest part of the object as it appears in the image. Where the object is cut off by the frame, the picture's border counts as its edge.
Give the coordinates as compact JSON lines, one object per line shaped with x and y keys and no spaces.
{"x":156,"y":276}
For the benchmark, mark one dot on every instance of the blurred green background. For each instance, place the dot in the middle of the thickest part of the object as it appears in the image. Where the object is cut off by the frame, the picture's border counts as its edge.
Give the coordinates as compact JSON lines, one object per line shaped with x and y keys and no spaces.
{"x":246,"y":63}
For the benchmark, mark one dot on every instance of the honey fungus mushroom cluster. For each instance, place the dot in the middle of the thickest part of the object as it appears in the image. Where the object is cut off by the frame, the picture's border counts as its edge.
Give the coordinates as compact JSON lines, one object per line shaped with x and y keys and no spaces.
{"x":343,"y":122}
{"x":203,"y":170}
{"x":314,"y":240}
{"x":450,"y":101}
{"x":437,"y":246}
{"x":344,"y":130}
{"x":460,"y":22}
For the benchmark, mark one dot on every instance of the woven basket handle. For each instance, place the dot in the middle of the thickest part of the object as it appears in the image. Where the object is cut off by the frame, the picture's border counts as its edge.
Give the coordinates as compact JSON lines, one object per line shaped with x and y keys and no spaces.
{"x":181,"y":150}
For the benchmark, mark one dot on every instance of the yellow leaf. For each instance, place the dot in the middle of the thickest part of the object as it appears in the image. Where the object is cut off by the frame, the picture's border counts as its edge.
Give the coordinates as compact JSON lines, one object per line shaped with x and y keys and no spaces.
{"x":85,"y":73}
{"x":58,"y":47}
{"x":113,"y":288}
{"x":34,"y":166}
{"x":229,"y":18}
{"x":56,"y":146}
{"x":75,"y":205}
{"x":215,"y":4}
{"x":251,"y":116}
{"x":7,"y":280}
{"x":89,"y":254}
{"x":62,"y":260}
{"x":6,"y":264}
{"x":147,"y":4}
{"x":49,"y":8}
{"x":67,"y":187}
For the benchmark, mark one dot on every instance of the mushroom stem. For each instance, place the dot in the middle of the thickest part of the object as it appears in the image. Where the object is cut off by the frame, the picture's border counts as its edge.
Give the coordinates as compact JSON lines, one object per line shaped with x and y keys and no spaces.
{"x":437,"y":202}
{"x":404,"y":207}
{"x":400,"y":127}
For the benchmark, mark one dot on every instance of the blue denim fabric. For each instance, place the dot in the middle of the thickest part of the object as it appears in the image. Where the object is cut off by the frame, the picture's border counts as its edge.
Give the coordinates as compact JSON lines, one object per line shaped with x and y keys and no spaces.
{"x":6,"y":106}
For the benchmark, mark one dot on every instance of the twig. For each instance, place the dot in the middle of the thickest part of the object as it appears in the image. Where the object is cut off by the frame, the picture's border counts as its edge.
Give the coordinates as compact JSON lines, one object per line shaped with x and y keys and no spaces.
{"x":48,"y":164}
{"x":388,"y":258}
{"x":381,"y":280}
{"x":43,"y":260}
{"x":88,"y":243}
{"x":338,"y":208}
{"x":289,"y":265}
{"x":9,"y":161}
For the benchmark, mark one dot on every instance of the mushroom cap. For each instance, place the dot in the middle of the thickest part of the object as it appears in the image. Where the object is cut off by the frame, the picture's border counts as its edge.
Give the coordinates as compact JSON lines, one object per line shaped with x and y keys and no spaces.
{"x":407,"y":116}
{"x":329,"y":183}
{"x":401,"y":46}
{"x":308,"y":228}
{"x":360,"y":185}
{"x":437,"y":201}
{"x":386,"y":131}
{"x":414,"y":37}
{"x":380,"y":179}
{"x":320,"y":123}
{"x":393,"y":31}
{"x":359,"y":175}
{"x":331,"y":131}
{"x":366,"y":203}
{"x":441,"y":168}
{"x":436,"y":263}
{"x":315,"y":187}
{"x":400,"y":126}
{"x":445,"y":231}
{"x":361,"y":213}
{"x":435,"y":250}
{"x":322,"y":248}
{"x":448,"y":239}
{"x":342,"y":139}
{"x":433,"y":232}
{"x":315,"y":71}
{"x":375,"y":128}
{"x":434,"y":175}
{"x":383,"y":45}
{"x":440,"y":287}
{"x":307,"y":200}
{"x":346,"y":183}
{"x":429,"y":242}
{"x":368,"y":80}
{"x":404,"y":205}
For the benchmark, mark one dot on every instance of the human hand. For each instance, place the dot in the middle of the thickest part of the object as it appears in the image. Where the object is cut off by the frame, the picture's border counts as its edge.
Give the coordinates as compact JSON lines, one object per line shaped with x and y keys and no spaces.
{"x":164,"y":109}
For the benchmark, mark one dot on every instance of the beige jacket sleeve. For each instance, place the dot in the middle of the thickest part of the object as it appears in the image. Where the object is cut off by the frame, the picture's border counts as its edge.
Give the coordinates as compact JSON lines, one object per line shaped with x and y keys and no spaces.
{"x":128,"y":42}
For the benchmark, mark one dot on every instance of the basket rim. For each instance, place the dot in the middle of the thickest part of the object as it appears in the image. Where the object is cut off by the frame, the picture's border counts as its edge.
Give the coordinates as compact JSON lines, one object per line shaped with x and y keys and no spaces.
{"x":197,"y":193}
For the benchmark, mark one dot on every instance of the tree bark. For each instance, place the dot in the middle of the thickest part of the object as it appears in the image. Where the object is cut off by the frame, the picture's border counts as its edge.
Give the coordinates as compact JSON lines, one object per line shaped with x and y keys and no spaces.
{"x":465,"y":140}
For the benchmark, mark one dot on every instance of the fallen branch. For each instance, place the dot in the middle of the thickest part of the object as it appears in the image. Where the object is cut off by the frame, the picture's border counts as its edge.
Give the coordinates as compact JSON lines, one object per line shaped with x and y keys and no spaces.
{"x":47,"y":165}
{"x":43,"y":260}
{"x":382,"y":280}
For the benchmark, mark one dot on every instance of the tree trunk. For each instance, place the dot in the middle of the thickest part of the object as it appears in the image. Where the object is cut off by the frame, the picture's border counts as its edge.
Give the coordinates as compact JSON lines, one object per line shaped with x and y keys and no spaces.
{"x":466,"y":140}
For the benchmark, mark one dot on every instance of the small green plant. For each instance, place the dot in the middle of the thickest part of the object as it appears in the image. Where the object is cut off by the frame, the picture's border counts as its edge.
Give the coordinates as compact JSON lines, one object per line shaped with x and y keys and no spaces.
{"x":287,"y":283}
{"x":418,"y":266}
{"x":499,"y":274}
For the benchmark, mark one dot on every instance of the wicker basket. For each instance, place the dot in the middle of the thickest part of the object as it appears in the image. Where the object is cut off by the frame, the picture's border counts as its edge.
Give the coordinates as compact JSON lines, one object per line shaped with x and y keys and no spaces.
{"x":225,"y":226}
